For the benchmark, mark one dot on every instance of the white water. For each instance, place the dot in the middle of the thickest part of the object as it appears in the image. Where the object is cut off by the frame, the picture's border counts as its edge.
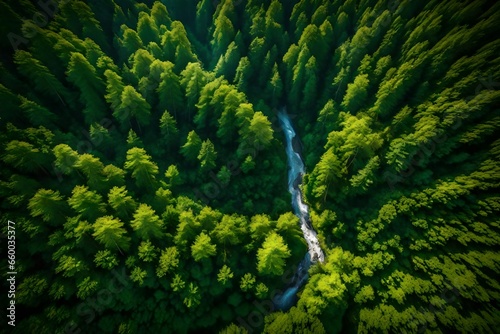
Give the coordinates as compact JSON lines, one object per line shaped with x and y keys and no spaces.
{"x":315,"y":253}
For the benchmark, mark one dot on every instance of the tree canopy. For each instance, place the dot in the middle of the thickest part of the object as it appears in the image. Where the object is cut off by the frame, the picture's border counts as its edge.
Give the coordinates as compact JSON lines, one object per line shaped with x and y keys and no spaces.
{"x":144,"y":166}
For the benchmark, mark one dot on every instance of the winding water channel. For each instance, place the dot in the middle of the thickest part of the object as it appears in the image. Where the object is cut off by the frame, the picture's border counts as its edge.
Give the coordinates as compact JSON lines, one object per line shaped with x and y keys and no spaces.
{"x":315,"y":253}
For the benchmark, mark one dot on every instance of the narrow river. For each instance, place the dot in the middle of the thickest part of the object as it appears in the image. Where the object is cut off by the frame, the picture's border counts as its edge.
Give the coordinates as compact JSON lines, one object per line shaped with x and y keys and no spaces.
{"x":315,"y":253}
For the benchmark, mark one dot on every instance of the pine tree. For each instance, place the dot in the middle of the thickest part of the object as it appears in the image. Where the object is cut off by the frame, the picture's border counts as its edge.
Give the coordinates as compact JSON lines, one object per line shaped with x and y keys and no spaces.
{"x":142,"y":168}
{"x":224,"y":32}
{"x":272,"y":255}
{"x":24,"y":156}
{"x":173,"y":176}
{"x":183,"y":50}
{"x":86,"y":202}
{"x":169,"y":260}
{"x":168,"y":126}
{"x":191,"y":149}
{"x":132,"y":106}
{"x":193,"y":79}
{"x":170,"y":94}
{"x":229,"y":230}
{"x":123,"y":204}
{"x":66,"y":158}
{"x":146,"y":223}
{"x":160,"y":15}
{"x":225,"y":274}
{"x":228,"y":62}
{"x":202,"y":247}
{"x":49,"y":205}
{"x":274,"y":87}
{"x":93,"y":169}
{"x":356,"y":94}
{"x":114,"y":89}
{"x":83,"y":75}
{"x":204,"y":13}
{"x":227,"y":127}
{"x":260,"y":133}
{"x":110,"y":232}
{"x":207,"y":155}
{"x":243,"y":74}
{"x":147,"y":29}
{"x":130,"y":42}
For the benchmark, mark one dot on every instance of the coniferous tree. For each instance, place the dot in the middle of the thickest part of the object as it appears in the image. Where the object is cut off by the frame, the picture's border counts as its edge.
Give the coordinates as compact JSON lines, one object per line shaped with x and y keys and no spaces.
{"x":142,"y":169}
{"x":191,"y":149}
{"x":393,"y":106}
{"x":114,"y":89}
{"x":146,"y":223}
{"x":44,"y":81}
{"x":110,"y":232}
{"x":121,"y":202}
{"x":48,"y":204}
{"x":202,"y":247}
{"x":83,"y":75}
{"x":132,"y":106}
{"x":207,"y":155}
{"x":271,"y":257}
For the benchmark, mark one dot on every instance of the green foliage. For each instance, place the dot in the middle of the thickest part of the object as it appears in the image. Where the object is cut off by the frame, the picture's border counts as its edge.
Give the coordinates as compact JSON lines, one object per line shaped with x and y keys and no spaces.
{"x":147,"y":251}
{"x":247,"y":282}
{"x":272,"y":255}
{"x":207,"y":155}
{"x":261,"y":291}
{"x":193,"y":297}
{"x":105,"y":259}
{"x":395,"y":109}
{"x":87,"y":202}
{"x":132,"y":106}
{"x":356,"y":93}
{"x":146,"y":223}
{"x":137,"y":275}
{"x":295,"y":320}
{"x":202,"y":247}
{"x":192,"y":147}
{"x":83,"y":75}
{"x":260,"y":132}
{"x":142,"y":168}
{"x":225,"y":274}
{"x":121,"y":202}
{"x":169,"y":260}
{"x":168,"y":125}
{"x":86,"y":288}
{"x":173,"y":175}
{"x":48,"y":204}
{"x":109,"y":231}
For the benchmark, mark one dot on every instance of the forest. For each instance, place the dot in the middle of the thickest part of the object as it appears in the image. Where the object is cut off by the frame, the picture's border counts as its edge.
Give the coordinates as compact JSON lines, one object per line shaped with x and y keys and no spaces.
{"x":144,"y":175}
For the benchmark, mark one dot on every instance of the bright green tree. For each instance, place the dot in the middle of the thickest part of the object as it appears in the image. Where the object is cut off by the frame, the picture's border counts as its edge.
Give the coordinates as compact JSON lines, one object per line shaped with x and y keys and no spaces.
{"x":143,"y":169}
{"x":272,"y":255}
{"x":114,"y":89}
{"x":146,"y":223}
{"x":132,"y":106}
{"x":47,"y":204}
{"x":202,"y":247}
{"x":169,"y":260}
{"x":191,"y":149}
{"x":121,"y":202}
{"x":110,"y":232}
{"x":207,"y":155}
{"x":86,"y":202}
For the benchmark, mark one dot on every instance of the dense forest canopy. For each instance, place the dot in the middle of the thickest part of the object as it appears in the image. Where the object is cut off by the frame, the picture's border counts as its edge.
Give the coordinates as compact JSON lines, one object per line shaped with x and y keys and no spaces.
{"x":143,"y":164}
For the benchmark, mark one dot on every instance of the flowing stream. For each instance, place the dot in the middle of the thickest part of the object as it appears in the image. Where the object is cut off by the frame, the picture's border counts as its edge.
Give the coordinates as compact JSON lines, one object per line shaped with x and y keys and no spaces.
{"x":314,"y":253}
